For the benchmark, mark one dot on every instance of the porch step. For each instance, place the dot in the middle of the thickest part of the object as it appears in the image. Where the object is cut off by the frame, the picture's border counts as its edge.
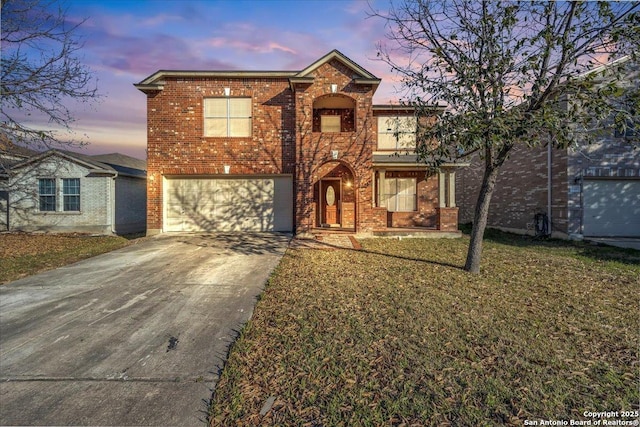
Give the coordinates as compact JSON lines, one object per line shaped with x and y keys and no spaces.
{"x":331,"y":231}
{"x":417,"y":232}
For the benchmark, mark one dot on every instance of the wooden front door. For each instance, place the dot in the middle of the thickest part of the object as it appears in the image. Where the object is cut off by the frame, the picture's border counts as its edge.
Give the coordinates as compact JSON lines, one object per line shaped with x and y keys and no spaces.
{"x":330,"y":195}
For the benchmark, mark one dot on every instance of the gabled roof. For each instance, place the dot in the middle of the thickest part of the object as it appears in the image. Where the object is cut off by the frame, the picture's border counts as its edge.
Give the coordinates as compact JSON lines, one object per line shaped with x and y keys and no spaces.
{"x":155,"y":81}
{"x":121,"y":164}
{"x":361,"y":75}
{"x":11,"y":154}
{"x":606,"y":67}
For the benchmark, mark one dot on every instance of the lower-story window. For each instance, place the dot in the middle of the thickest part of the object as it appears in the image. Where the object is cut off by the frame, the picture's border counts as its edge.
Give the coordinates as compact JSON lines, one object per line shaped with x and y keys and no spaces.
{"x":47,"y":194}
{"x":71,"y":194}
{"x":399,"y":194}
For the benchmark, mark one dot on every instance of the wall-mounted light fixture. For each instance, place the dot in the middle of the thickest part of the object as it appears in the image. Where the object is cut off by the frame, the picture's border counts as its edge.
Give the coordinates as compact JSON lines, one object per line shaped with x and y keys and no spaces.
{"x":334,"y":88}
{"x":348,"y":183}
{"x":334,"y":154}
{"x":227,"y":169}
{"x":227,"y":91}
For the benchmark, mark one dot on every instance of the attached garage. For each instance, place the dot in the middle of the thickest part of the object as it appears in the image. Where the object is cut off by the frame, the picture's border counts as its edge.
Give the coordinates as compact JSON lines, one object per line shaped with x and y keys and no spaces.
{"x":205,"y":204}
{"x":611,"y":207}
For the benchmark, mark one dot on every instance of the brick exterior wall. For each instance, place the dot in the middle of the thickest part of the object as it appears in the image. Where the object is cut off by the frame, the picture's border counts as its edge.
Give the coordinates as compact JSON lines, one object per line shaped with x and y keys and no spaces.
{"x":521,"y":190}
{"x":176,"y":144}
{"x":448,"y":219}
{"x":314,"y":149}
{"x":379,"y":219}
{"x":427,"y":201}
{"x":285,"y":139}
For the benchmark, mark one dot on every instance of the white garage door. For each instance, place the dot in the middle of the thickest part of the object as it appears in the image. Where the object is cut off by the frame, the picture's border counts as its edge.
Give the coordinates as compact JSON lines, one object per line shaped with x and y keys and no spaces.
{"x":228,"y":204}
{"x":612,"y":208}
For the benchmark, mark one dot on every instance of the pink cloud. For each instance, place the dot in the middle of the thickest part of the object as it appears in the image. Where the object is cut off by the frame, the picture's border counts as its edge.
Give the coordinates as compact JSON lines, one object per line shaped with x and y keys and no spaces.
{"x":158,"y":20}
{"x":259,"y":45}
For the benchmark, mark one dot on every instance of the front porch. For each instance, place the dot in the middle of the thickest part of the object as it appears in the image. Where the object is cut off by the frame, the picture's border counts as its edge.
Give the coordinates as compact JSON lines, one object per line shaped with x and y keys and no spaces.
{"x":409,"y":199}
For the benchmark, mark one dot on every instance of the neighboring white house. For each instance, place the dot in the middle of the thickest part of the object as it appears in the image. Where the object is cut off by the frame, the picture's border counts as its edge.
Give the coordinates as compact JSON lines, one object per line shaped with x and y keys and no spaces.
{"x":62,"y":191}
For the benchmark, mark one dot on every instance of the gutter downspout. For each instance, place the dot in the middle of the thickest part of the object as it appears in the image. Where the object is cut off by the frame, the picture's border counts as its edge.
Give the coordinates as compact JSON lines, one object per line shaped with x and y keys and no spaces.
{"x":112,"y":192}
{"x":549,"y":181}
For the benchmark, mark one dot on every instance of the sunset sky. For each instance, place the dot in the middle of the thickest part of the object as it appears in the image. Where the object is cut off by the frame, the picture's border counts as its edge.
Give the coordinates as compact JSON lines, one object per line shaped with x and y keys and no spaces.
{"x":126,"y":41}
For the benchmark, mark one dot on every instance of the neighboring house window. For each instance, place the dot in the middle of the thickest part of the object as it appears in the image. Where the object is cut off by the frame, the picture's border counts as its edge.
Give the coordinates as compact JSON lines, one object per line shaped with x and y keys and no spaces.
{"x":47,"y":194}
{"x":629,"y":131}
{"x":396,"y":133}
{"x":227,"y":117}
{"x":71,"y":194}
{"x":330,"y":124}
{"x":399,"y":194}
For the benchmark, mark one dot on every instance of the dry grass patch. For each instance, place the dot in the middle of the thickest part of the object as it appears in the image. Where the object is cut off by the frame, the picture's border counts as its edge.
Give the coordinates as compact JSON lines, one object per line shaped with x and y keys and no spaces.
{"x":23,"y":254}
{"x":398,"y":334}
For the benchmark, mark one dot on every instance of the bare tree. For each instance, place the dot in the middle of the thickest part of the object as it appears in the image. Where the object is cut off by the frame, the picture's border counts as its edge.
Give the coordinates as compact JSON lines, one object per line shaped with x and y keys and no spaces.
{"x":42,"y":70}
{"x":510,"y":73}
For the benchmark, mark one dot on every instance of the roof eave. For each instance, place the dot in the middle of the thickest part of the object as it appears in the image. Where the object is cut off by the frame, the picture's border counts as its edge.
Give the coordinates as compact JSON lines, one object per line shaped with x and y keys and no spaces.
{"x":149,"y":88}
{"x":158,"y":77}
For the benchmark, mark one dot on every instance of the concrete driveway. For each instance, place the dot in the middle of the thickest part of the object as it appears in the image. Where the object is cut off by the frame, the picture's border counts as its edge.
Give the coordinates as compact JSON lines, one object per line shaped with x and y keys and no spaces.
{"x":137,"y":336}
{"x":621,"y":242}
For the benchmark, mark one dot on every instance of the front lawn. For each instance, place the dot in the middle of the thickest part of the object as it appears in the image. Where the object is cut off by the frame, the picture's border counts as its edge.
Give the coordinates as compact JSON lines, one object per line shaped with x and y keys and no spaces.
{"x":23,"y":254}
{"x":398,"y":334}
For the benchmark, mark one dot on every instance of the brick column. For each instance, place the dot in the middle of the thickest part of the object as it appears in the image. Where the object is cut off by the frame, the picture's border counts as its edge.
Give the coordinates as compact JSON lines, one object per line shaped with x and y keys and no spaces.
{"x":447,"y":219}
{"x":379,"y":218}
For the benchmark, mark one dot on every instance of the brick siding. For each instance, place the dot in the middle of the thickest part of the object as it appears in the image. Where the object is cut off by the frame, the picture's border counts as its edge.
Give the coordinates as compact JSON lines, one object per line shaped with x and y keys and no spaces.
{"x":521,"y":189}
{"x":315,"y":148}
{"x":177,"y":145}
{"x":285,"y":139}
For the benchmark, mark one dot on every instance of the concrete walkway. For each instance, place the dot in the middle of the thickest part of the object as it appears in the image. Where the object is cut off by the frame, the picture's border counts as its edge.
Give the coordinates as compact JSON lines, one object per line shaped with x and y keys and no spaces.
{"x":137,"y":336}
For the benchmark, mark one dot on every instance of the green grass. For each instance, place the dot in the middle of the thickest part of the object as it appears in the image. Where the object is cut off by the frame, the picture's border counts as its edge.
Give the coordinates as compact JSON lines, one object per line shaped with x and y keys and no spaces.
{"x":398,"y":334}
{"x":24,"y":254}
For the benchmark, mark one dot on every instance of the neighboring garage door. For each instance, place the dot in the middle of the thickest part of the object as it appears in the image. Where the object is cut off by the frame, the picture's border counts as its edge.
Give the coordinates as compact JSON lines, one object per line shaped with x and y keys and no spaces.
{"x":611,"y":208}
{"x":228,"y":204}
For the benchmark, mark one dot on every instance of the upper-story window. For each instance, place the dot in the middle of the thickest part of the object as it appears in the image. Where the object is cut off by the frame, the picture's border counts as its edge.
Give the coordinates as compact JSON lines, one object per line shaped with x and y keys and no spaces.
{"x":334,"y":113}
{"x":227,"y":117}
{"x":397,"y":133}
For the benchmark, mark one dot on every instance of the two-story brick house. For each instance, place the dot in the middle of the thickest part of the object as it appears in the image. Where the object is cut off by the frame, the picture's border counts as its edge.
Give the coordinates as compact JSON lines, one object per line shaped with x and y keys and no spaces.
{"x":589,"y":190}
{"x":286,"y":151}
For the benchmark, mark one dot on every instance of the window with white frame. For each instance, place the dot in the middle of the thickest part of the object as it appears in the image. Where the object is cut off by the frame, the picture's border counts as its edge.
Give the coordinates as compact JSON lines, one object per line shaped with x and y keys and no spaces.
{"x":71,"y":194}
{"x":227,"y":117}
{"x":398,"y":194}
{"x":396,"y":133}
{"x":47,"y":194}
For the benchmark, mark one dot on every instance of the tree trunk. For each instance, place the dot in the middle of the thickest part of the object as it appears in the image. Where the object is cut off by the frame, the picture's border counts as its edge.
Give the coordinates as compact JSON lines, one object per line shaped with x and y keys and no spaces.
{"x":480,"y":217}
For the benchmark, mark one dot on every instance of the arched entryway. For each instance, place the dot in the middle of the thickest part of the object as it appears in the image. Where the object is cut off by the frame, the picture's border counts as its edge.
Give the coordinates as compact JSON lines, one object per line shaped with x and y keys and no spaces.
{"x":335,"y":196}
